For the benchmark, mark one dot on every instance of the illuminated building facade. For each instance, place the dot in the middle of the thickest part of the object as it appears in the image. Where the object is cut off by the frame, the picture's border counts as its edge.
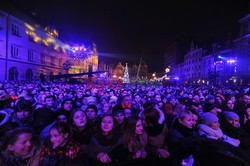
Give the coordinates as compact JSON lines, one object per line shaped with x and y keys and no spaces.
{"x":192,"y":66}
{"x":226,"y":62}
{"x":242,"y":48}
{"x":27,"y":50}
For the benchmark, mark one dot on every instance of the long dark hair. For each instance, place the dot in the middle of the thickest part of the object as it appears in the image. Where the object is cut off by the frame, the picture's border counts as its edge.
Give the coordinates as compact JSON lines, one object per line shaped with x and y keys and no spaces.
{"x":151,"y":116}
{"x":112,"y":136}
{"x":62,"y":128}
{"x":224,"y":105}
{"x":130,"y":137}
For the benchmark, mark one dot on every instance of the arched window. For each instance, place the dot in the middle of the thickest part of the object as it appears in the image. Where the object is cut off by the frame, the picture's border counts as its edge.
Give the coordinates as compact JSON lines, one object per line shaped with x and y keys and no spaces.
{"x":13,"y":74}
{"x":29,"y":75}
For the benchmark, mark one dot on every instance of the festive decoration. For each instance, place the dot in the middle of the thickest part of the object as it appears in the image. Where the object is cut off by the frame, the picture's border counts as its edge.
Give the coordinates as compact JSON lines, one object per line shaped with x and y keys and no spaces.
{"x":126,"y":75}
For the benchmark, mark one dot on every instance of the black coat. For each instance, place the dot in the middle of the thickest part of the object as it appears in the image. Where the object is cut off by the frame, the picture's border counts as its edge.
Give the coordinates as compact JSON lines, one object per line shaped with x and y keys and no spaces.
{"x":229,"y":129}
{"x":42,"y":118}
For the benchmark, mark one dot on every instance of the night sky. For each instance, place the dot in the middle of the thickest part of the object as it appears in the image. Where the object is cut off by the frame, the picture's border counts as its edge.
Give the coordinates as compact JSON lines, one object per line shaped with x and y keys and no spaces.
{"x":128,"y":29}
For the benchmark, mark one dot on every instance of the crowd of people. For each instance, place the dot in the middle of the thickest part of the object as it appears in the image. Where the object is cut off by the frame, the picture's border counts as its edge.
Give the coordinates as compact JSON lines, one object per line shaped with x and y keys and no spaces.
{"x":50,"y":124}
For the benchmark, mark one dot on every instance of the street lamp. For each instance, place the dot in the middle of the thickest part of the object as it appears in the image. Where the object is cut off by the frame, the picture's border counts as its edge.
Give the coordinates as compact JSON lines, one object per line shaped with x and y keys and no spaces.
{"x":167,"y":70}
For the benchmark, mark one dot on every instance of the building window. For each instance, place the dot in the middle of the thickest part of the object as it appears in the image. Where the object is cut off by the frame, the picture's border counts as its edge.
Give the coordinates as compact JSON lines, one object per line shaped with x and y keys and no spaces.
{"x":13,"y":74}
{"x":30,"y":55}
{"x":15,"y":29}
{"x":14,"y":52}
{"x":52,"y":61}
{"x":42,"y":59}
{"x":60,"y":62}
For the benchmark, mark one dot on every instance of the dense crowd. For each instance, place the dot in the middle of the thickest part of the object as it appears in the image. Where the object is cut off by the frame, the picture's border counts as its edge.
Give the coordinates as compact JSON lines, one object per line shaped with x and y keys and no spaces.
{"x":54,"y":124}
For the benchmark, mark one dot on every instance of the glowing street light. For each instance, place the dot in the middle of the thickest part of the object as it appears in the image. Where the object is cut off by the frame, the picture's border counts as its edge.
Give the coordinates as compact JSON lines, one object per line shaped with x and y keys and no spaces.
{"x":231,"y":61}
{"x":176,"y":78}
{"x":167,"y":70}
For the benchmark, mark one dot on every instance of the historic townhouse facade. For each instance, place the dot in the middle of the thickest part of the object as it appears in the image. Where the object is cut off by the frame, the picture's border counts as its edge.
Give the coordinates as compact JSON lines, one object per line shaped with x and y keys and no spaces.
{"x":26,"y":50}
{"x":192,"y":68}
{"x":226,"y":62}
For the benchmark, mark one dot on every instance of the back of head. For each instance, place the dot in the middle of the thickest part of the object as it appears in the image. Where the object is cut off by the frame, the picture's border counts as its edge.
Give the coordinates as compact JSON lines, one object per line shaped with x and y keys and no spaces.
{"x":151,"y":116}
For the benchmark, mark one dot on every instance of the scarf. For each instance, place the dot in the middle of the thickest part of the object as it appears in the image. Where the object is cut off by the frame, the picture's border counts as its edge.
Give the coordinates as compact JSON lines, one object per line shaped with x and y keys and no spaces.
{"x":126,"y":107}
{"x":185,"y":131}
{"x":210,"y":133}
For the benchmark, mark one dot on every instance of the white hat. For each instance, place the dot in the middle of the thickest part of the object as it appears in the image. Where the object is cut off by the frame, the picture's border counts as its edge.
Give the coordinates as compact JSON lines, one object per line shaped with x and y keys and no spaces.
{"x":113,"y":98}
{"x":91,"y":99}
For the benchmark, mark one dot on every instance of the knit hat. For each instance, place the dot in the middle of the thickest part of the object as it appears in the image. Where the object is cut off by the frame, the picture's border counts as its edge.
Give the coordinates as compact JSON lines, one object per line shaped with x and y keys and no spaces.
{"x":91,"y":99}
{"x":118,"y":111}
{"x":114,"y":98}
{"x":4,"y":117}
{"x":230,"y":114}
{"x":104,"y":97}
{"x":222,"y":97}
{"x":210,"y":97}
{"x":208,"y":107}
{"x":92,"y":107}
{"x":208,"y":118}
{"x":189,"y":104}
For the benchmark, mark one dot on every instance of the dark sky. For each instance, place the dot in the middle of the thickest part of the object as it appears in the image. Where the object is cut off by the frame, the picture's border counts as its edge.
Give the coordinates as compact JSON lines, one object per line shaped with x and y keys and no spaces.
{"x":127,"y":29}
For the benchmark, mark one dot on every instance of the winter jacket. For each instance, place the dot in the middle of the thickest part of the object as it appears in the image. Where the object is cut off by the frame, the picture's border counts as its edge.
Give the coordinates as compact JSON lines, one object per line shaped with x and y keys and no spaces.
{"x":208,"y":132}
{"x":32,"y":159}
{"x":50,"y":156}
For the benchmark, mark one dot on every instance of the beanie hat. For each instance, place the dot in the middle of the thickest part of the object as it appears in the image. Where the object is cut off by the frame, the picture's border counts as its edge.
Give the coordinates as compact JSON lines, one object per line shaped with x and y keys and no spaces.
{"x":118,"y":111}
{"x":208,"y":107}
{"x":114,"y":98}
{"x":103,"y":97}
{"x":91,"y":99}
{"x":23,"y":105}
{"x":230,"y":114}
{"x":92,"y":107}
{"x":208,"y":118}
{"x":189,"y":104}
{"x":210,"y":97}
{"x":4,"y":117}
{"x":222,"y":97}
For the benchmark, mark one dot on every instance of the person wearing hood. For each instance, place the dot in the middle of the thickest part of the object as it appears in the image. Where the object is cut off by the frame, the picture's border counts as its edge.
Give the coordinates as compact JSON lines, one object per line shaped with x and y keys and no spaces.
{"x":23,"y":114}
{"x":157,"y":130}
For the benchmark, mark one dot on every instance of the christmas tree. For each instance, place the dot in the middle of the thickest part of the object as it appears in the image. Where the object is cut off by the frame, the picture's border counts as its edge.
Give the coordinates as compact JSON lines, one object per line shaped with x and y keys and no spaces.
{"x":126,"y":75}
